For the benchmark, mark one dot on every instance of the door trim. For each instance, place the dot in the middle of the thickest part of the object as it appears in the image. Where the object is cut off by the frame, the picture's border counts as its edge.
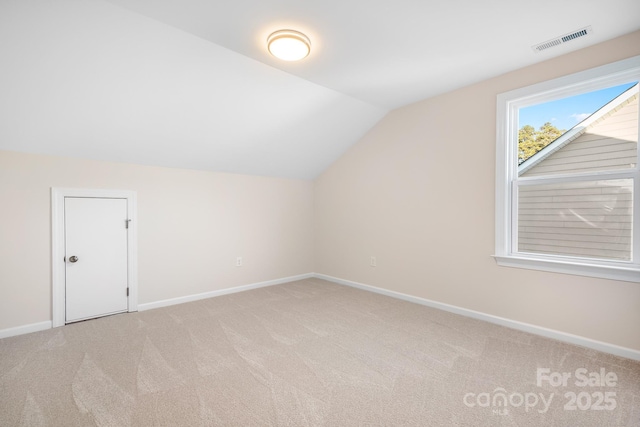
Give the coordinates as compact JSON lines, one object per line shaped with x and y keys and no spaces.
{"x":57,"y":245}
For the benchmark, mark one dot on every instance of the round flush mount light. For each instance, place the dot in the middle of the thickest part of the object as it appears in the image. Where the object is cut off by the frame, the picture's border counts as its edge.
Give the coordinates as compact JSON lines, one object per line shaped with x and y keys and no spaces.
{"x":289,"y":45}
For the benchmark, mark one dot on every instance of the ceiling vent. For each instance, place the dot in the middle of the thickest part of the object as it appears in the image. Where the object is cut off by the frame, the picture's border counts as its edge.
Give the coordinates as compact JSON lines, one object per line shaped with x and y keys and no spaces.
{"x":583,"y":32}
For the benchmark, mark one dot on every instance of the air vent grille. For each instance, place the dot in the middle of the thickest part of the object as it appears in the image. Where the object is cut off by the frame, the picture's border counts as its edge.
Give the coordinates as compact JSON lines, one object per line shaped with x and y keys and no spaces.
{"x":547,"y":45}
{"x":562,"y":39}
{"x":574,"y":35}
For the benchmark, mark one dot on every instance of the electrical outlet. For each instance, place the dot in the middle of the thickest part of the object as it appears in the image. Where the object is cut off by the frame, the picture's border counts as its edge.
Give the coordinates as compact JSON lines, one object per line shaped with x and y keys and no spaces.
{"x":373,"y":262}
{"x":239,"y":261}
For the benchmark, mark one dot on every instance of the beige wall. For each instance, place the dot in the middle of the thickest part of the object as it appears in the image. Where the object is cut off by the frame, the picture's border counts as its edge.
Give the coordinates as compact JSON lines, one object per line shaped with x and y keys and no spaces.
{"x":191,"y":227}
{"x":418,"y":193}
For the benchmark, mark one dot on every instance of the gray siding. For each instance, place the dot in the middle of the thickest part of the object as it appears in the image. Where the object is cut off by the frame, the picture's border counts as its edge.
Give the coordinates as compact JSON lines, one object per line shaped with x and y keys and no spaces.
{"x":610,"y":143}
{"x":588,"y":219}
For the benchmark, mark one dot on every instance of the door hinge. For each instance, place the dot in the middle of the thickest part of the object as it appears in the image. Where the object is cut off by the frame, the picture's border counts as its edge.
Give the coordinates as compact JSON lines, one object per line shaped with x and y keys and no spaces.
{"x":126,"y":223}
{"x":127,"y":291}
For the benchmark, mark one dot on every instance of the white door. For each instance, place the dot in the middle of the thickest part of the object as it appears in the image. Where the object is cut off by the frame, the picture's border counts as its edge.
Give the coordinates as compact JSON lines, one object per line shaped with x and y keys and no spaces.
{"x":95,"y":257}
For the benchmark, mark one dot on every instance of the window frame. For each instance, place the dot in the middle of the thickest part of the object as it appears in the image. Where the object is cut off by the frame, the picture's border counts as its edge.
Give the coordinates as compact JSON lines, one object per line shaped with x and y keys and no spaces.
{"x":506,"y":232}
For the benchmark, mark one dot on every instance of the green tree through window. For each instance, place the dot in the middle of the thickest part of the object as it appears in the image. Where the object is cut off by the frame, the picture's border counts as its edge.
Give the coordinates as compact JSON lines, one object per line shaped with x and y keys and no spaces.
{"x":530,"y":140}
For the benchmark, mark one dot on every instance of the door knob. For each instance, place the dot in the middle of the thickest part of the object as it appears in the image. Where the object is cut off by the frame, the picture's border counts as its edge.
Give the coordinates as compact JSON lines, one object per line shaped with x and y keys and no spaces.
{"x":73,"y":258}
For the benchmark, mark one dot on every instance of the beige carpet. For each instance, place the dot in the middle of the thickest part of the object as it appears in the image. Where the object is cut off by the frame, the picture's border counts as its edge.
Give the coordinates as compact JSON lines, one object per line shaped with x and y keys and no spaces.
{"x":307,"y":353}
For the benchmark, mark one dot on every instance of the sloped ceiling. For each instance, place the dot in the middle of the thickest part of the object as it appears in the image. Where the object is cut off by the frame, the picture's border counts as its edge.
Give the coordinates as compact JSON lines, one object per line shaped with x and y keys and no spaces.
{"x":188,"y":83}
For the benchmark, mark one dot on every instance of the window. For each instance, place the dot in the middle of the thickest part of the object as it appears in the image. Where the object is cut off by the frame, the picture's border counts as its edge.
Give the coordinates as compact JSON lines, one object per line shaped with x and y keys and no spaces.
{"x":567,"y":174}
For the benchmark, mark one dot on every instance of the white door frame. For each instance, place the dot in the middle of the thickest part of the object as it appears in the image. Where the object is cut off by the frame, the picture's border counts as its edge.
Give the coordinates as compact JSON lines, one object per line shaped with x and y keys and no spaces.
{"x":58,"y":251}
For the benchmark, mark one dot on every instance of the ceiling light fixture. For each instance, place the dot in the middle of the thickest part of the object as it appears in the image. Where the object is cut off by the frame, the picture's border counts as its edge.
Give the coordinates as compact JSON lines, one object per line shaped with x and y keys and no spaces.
{"x":289,"y":45}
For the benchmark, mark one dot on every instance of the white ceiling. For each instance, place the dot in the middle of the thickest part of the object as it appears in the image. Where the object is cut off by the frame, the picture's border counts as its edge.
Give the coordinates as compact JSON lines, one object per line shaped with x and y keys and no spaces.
{"x":392,"y":53}
{"x":188,"y":83}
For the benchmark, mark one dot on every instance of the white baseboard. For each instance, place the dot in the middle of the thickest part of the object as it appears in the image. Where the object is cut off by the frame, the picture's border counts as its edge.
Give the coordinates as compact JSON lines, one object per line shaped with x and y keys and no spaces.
{"x":41,"y":326}
{"x":26,"y":329}
{"x":513,"y":324}
{"x":226,"y":291}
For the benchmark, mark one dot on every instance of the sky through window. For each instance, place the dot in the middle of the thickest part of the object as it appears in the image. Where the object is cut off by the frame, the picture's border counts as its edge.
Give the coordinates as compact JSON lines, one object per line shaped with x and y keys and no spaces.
{"x":567,"y":112}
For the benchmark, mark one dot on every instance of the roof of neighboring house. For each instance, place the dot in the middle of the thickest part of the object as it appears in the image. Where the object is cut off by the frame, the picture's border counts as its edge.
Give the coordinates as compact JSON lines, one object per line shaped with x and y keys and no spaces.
{"x":578,"y":130}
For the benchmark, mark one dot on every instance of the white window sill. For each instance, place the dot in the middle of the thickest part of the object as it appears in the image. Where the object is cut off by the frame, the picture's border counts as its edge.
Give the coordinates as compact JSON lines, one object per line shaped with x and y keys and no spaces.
{"x":615,"y":271}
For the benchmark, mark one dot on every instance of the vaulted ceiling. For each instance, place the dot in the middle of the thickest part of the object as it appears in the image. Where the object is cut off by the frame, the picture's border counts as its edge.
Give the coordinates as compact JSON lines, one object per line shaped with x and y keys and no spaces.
{"x":189,"y":83}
